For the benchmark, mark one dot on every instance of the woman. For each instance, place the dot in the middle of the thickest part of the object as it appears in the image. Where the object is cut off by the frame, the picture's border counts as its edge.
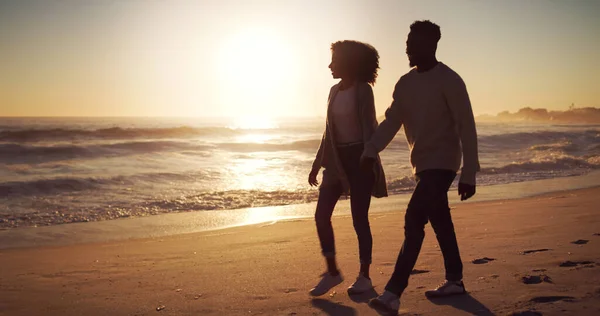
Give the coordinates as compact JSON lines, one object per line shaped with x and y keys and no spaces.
{"x":350,"y":123}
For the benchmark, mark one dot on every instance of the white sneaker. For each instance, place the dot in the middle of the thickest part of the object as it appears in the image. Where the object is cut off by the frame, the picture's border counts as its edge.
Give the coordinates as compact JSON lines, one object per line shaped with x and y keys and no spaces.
{"x":447,"y":288}
{"x":361,"y":285}
{"x":387,"y":303}
{"x":327,"y":282}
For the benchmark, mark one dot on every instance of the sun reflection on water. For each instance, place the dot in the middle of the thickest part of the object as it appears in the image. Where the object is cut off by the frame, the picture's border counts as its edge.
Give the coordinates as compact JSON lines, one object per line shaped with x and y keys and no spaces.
{"x":257,"y":138}
{"x":258,"y":173}
{"x":261,"y":215}
{"x":253,"y":122}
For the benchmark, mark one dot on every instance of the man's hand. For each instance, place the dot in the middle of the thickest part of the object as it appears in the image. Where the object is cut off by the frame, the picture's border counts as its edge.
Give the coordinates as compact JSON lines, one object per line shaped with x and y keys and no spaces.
{"x":465,"y":191}
{"x":366,"y":163}
{"x":312,"y":178}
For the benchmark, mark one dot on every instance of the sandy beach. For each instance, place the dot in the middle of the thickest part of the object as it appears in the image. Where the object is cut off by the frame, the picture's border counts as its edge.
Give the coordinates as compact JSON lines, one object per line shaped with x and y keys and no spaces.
{"x":167,"y":157}
{"x":542,"y":255}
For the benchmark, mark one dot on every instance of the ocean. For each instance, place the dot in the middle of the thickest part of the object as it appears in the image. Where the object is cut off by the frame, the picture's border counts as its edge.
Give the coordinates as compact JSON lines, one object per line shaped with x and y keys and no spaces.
{"x":64,"y":170}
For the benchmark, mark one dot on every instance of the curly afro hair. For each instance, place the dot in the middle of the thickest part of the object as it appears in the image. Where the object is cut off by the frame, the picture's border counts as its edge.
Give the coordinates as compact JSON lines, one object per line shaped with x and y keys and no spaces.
{"x":358,"y":58}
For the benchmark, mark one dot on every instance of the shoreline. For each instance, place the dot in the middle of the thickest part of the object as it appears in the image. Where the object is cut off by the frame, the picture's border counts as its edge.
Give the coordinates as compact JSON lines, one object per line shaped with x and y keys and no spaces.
{"x":202,"y":221}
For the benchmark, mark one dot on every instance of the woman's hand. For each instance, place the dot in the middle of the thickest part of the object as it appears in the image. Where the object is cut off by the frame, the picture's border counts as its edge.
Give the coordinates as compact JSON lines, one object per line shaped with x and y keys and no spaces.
{"x":312,"y":178}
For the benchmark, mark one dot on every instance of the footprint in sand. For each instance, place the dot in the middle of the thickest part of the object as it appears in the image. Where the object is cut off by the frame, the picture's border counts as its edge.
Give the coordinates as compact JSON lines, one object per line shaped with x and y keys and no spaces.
{"x":417,"y":271}
{"x":482,"y":260}
{"x":536,"y":279}
{"x":567,"y":264}
{"x":485,"y":278}
{"x":580,"y":242}
{"x":290,"y":290}
{"x":550,"y":299}
{"x":534,"y":251}
{"x":525,"y":313}
{"x":597,"y":234}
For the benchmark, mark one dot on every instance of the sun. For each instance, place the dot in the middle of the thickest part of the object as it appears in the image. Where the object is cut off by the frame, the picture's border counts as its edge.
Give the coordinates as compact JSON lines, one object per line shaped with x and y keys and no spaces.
{"x":256,"y":71}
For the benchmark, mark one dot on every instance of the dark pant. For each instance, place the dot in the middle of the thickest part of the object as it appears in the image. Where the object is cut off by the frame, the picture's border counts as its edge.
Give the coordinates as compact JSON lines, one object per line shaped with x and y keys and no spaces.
{"x":361,"y":185}
{"x":429,"y":202}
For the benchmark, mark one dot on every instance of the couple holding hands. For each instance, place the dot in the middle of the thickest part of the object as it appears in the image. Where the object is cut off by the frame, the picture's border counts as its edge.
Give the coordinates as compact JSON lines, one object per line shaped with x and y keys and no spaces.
{"x":432,"y":103}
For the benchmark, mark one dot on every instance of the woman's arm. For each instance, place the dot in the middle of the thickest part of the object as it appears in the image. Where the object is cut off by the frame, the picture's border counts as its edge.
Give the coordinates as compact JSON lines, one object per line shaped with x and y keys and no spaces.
{"x":316,"y":166}
{"x":368,"y":115}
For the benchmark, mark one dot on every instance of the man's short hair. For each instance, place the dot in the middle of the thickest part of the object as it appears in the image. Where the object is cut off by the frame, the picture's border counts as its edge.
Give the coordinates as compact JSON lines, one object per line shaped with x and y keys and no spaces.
{"x":426,"y":28}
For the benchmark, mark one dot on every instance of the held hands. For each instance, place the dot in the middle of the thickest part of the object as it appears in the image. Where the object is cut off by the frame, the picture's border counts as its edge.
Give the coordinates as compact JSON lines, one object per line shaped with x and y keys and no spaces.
{"x":465,"y":191}
{"x":312,"y":178}
{"x":366,"y":163}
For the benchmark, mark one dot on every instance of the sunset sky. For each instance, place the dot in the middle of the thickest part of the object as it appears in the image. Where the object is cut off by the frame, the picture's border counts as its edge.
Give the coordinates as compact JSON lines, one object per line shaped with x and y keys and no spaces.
{"x":270,"y":58}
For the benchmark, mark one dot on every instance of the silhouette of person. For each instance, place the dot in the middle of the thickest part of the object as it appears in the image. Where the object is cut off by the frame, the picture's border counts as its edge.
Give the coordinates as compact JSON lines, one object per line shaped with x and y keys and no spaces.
{"x":432,"y":103}
{"x":350,"y":122}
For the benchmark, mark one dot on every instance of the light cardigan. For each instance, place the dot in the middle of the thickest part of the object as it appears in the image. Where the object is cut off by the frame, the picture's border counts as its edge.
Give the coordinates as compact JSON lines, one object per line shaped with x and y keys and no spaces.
{"x":327,"y":155}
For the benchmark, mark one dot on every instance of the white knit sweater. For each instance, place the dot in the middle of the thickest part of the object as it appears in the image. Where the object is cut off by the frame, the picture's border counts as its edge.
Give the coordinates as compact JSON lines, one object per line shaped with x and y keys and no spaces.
{"x":435,"y":110}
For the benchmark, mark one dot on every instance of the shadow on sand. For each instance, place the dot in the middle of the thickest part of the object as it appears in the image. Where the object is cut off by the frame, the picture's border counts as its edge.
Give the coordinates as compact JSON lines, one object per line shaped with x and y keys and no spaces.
{"x":465,"y":302}
{"x":333,"y":309}
{"x":363,"y":297}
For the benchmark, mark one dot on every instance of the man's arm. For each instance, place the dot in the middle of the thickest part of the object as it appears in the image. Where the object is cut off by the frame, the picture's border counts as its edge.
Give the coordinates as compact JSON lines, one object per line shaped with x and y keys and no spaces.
{"x":388,"y":128}
{"x":458,"y":101}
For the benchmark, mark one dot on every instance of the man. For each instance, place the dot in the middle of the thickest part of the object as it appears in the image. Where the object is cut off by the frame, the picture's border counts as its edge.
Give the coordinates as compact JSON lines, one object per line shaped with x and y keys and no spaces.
{"x":432,"y":103}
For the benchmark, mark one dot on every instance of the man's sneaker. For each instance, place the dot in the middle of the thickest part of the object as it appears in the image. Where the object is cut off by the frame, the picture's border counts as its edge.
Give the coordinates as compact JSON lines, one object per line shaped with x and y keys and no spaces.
{"x":361,"y":285}
{"x":327,"y":282}
{"x":447,"y":288}
{"x":387,"y":303}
